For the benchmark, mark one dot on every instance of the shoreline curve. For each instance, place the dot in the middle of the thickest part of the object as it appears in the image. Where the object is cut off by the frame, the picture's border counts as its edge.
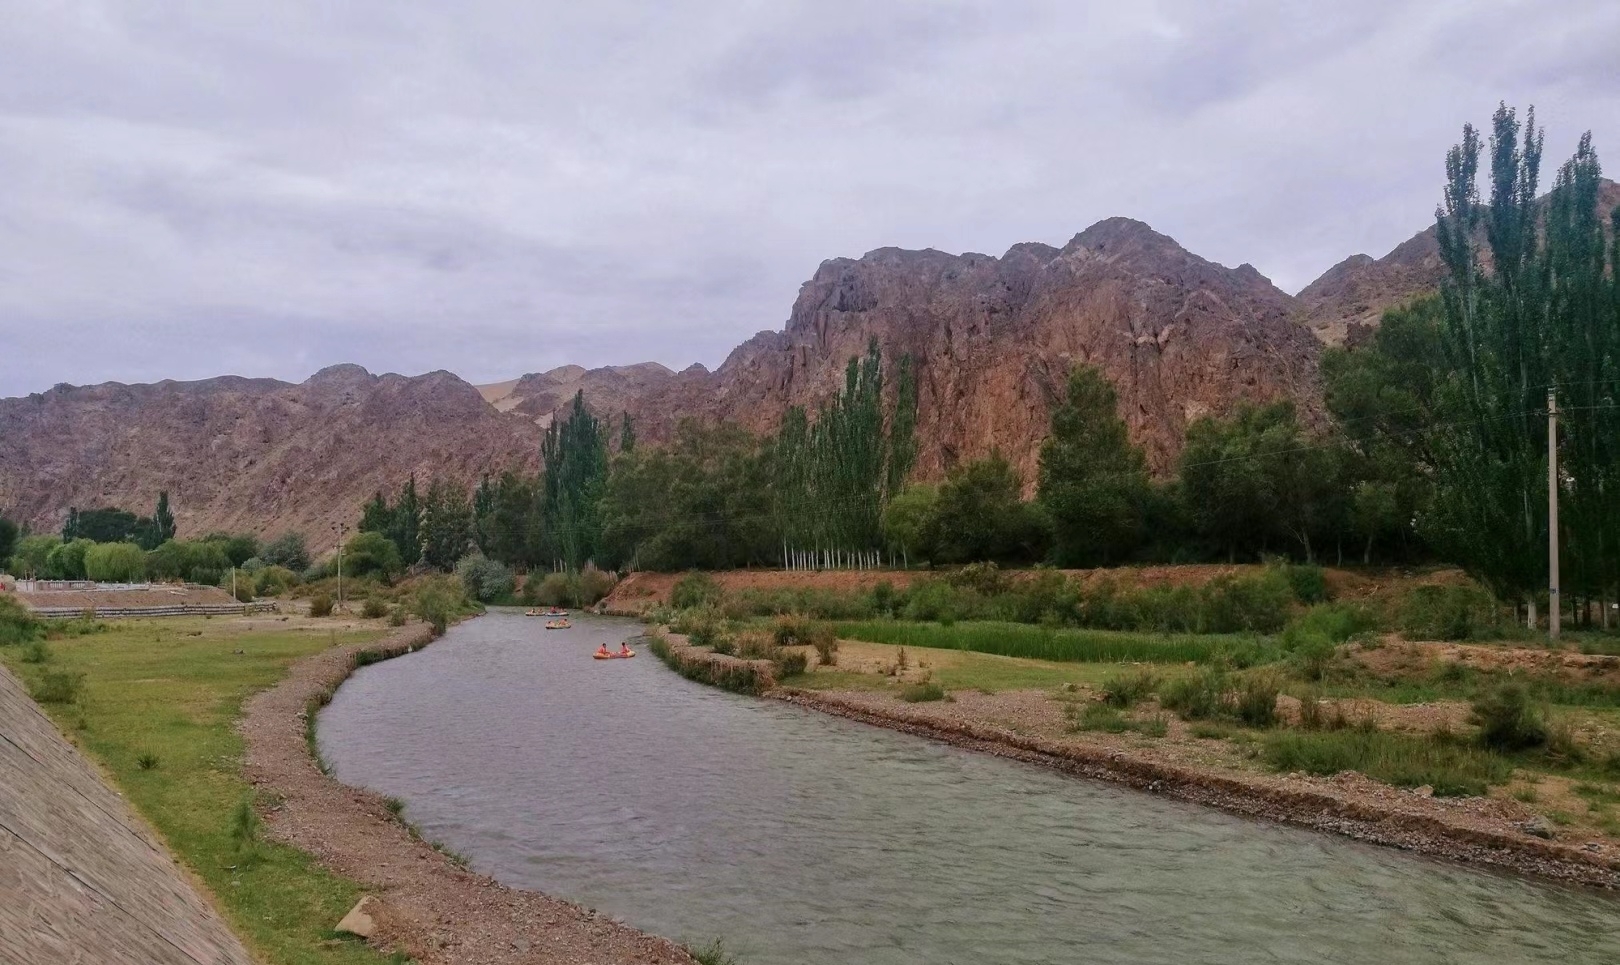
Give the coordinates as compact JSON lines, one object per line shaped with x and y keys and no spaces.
{"x":422,"y":902}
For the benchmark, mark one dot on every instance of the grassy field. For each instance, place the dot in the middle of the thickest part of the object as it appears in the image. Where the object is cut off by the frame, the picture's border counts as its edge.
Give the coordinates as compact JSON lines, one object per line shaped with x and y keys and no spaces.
{"x":1039,"y":643}
{"x":156,"y":708}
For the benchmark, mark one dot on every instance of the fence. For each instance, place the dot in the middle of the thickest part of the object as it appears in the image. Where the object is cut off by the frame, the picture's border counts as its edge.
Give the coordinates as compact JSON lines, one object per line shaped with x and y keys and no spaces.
{"x":170,"y":610}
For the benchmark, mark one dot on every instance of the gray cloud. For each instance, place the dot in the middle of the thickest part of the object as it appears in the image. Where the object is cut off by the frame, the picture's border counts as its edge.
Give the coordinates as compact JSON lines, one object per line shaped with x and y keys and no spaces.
{"x":498,"y":187}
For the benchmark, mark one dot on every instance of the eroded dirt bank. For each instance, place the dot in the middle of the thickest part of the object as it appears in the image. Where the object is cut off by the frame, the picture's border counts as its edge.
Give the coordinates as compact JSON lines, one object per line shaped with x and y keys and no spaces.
{"x":1348,"y":805}
{"x":424,"y":904}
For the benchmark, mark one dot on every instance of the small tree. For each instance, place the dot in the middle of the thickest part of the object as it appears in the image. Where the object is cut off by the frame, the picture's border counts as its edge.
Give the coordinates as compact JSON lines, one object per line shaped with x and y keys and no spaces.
{"x":115,"y":563}
{"x":163,"y":521}
{"x":288,"y":550}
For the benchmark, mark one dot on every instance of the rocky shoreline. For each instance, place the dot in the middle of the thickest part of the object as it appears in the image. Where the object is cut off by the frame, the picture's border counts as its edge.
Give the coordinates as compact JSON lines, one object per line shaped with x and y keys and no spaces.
{"x":1374,"y":813}
{"x":422,"y":902}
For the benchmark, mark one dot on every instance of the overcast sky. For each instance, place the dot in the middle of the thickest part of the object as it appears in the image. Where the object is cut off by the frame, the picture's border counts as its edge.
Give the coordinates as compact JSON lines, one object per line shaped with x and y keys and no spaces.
{"x":190,"y":189}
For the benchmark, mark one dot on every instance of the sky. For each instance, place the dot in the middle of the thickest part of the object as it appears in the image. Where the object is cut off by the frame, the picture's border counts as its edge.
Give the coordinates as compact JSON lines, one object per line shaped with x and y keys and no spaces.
{"x":495,"y":187}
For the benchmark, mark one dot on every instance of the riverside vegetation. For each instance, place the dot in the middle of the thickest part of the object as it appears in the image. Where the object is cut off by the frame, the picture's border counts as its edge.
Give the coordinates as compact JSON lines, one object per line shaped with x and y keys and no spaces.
{"x":1294,"y":681}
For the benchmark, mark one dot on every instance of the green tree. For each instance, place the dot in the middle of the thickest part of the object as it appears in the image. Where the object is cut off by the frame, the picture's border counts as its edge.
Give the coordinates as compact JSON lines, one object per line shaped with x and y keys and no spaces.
{"x":627,"y":435}
{"x":65,"y":561}
{"x":104,"y":525}
{"x":514,"y":533}
{"x":1093,"y":484}
{"x":980,"y":515}
{"x":446,"y":529}
{"x":575,"y":455}
{"x":908,"y":521}
{"x":237,"y":547}
{"x":9,"y":535}
{"x":30,"y":558}
{"x":372,"y":554}
{"x":287,"y":550}
{"x":162,"y":526}
{"x":115,"y":563}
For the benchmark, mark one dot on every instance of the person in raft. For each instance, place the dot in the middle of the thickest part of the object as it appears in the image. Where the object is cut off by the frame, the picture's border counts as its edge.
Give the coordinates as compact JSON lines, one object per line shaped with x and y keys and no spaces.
{"x":624,"y":649}
{"x":602,"y":651}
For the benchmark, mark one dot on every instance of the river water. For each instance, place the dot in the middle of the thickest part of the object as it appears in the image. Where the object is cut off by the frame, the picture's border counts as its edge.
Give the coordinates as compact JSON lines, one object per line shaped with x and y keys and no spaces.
{"x":804,"y":839}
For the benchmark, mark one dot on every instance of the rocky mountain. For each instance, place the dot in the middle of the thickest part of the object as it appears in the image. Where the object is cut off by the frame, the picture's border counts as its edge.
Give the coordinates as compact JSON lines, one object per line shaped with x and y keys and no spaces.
{"x":993,"y":340}
{"x":1352,"y":295}
{"x":253,"y":455}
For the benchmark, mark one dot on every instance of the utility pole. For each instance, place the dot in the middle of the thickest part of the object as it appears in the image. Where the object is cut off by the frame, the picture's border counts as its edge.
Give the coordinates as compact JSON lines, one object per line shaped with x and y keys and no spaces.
{"x":1553,"y":607}
{"x":340,"y":529}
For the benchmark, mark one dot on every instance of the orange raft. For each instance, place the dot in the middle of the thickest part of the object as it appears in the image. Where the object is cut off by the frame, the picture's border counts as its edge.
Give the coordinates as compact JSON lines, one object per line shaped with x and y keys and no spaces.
{"x":612,"y":656}
{"x":558,"y":624}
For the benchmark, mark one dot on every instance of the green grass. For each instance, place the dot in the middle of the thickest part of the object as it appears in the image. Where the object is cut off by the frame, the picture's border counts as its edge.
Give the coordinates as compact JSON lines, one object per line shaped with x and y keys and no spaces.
{"x":153,"y":692}
{"x":1041,"y":643}
{"x":1451,"y":768}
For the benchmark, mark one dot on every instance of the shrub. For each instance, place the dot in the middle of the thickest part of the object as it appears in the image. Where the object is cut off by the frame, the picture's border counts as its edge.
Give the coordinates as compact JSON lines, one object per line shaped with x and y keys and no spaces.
{"x":397,"y":616}
{"x":375,"y":608}
{"x":922,"y":692}
{"x":274,"y":580}
{"x":17,"y":623}
{"x":1313,"y":656}
{"x":244,"y":825}
{"x":372,"y":554}
{"x":1448,"y":613}
{"x":1452,"y":770}
{"x":757,"y":646}
{"x":146,"y":761}
{"x":484,"y":579}
{"x":287,"y":551}
{"x":36,"y":651}
{"x":595,"y":585}
{"x":1509,"y":720}
{"x":1126,"y":689}
{"x":883,"y":597}
{"x":320,"y":605}
{"x":790,"y":663}
{"x":1198,"y":697}
{"x":244,"y":590}
{"x":986,"y":579}
{"x":57,"y":687}
{"x":792,"y":630}
{"x":437,"y":601}
{"x":1335,"y":622}
{"x":1257,"y":604}
{"x":1308,"y":581}
{"x":826,"y":643}
{"x":694,"y":590}
{"x":1255,"y":702}
{"x":553,"y":589}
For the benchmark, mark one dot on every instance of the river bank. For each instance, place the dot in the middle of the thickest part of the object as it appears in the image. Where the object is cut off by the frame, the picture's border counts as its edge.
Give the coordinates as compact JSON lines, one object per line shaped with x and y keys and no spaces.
{"x":1028,"y":725}
{"x":425,"y":903}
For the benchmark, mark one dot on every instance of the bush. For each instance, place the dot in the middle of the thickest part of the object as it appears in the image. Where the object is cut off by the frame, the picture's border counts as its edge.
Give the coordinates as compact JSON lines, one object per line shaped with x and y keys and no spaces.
{"x":1335,"y":622}
{"x":17,"y":623}
{"x":372,"y":554}
{"x":274,"y":580}
{"x":757,"y":646}
{"x":438,"y":600}
{"x":1127,"y":689}
{"x":695,"y":590}
{"x":826,"y":643}
{"x":1212,"y":695}
{"x":1257,"y":604}
{"x":1256,"y":700}
{"x":320,"y":605}
{"x":397,"y":616}
{"x":1308,"y":581}
{"x":922,"y":692}
{"x":1404,"y":761}
{"x":244,"y":590}
{"x":375,"y":608}
{"x":1508,"y":719}
{"x":986,"y":579}
{"x":484,"y":579}
{"x":790,"y":663}
{"x":57,"y":687}
{"x":36,"y":651}
{"x":287,"y":551}
{"x":594,"y":585}
{"x":1449,"y":613}
{"x":553,"y":589}
{"x":792,"y":630}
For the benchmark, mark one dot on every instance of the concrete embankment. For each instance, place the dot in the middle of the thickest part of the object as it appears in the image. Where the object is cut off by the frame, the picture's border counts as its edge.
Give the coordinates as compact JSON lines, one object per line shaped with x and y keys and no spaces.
{"x":82,"y":879}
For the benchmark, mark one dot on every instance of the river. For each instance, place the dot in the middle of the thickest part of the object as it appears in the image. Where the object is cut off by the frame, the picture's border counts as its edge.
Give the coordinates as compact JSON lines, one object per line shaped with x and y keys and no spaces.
{"x":803,"y":838}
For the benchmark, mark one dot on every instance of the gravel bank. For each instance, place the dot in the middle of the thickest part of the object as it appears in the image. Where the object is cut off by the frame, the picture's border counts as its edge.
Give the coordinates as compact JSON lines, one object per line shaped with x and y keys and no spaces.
{"x":424,"y":904}
{"x":1464,"y":830}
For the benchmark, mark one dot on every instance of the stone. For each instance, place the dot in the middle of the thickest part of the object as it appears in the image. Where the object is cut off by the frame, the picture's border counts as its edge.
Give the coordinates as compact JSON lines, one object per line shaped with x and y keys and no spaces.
{"x":1424,"y":791}
{"x":359,"y":921}
{"x":1539,"y":827}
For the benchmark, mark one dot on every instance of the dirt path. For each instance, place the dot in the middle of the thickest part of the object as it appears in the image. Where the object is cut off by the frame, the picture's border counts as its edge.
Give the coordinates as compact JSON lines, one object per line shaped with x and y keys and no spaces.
{"x":424,"y":904}
{"x":1472,"y":830}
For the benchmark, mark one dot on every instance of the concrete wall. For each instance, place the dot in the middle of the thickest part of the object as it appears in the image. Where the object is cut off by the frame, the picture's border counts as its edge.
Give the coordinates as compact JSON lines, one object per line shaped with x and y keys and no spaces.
{"x":82,"y":879}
